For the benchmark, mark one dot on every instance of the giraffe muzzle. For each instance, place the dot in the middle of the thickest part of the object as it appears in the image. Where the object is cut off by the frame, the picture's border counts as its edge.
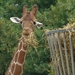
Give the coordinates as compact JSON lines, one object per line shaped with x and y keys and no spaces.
{"x":27,"y":31}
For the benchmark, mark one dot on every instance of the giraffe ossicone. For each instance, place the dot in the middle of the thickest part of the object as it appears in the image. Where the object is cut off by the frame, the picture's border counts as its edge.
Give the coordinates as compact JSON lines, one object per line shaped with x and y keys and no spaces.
{"x":28,"y":37}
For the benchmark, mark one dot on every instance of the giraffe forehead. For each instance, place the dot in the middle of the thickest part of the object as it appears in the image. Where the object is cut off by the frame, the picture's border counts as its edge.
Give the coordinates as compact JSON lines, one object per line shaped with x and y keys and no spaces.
{"x":28,"y":16}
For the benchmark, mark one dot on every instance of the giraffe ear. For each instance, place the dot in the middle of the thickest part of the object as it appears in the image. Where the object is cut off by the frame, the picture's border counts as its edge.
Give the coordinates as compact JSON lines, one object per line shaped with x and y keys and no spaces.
{"x":15,"y":19}
{"x":39,"y":25}
{"x":34,"y":9}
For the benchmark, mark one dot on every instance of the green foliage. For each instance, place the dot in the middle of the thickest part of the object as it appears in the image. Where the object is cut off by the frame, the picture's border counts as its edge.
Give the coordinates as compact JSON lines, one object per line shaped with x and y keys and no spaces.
{"x":58,"y":15}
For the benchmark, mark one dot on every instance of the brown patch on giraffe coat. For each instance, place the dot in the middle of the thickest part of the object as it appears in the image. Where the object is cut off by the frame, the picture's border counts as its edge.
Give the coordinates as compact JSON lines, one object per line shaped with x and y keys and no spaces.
{"x":21,"y":57}
{"x":18,"y":70}
{"x":9,"y":73}
{"x":13,"y":67}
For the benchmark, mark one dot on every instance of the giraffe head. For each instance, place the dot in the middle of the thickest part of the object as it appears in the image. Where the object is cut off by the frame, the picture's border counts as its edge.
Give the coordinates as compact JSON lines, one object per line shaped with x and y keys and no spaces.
{"x":28,"y":20}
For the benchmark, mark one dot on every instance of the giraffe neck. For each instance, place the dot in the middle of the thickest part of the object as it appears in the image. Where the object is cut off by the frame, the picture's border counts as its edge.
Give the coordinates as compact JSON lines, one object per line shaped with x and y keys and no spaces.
{"x":17,"y":63}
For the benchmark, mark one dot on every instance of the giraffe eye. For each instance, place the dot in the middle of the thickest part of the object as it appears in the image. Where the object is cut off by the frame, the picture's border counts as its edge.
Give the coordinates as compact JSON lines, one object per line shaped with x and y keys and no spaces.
{"x":34,"y":23}
{"x":21,"y":22}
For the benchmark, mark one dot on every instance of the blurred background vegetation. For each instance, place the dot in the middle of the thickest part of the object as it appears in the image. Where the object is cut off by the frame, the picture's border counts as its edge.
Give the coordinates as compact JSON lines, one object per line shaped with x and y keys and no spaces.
{"x":52,"y":13}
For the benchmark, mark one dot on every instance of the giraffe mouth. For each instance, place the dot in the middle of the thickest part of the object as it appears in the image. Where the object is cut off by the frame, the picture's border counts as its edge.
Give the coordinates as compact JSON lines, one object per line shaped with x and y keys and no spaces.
{"x":31,"y":40}
{"x":27,"y":32}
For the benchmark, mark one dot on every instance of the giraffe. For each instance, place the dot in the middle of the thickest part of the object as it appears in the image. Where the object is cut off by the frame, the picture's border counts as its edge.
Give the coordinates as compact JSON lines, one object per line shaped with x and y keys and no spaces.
{"x":28,"y":22}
